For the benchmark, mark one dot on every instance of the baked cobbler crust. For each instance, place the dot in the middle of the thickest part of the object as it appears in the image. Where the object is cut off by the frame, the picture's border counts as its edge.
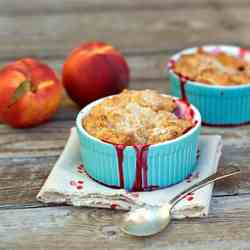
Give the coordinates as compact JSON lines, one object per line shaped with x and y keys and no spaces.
{"x":217,"y":68}
{"x":136,"y":117}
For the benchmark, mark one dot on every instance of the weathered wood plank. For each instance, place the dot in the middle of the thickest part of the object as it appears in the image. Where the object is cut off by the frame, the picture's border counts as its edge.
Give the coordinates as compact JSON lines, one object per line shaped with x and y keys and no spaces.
{"x":227,"y":227}
{"x":47,"y":7}
{"x":154,"y":30}
{"x":21,"y":178}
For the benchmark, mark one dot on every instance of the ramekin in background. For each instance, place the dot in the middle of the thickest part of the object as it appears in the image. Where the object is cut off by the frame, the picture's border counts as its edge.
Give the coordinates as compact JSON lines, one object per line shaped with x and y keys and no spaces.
{"x":218,"y":105}
{"x":168,"y":163}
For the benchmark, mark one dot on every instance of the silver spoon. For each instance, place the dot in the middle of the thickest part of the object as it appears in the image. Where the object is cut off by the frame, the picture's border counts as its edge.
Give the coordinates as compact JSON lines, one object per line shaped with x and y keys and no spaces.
{"x":148,"y":220}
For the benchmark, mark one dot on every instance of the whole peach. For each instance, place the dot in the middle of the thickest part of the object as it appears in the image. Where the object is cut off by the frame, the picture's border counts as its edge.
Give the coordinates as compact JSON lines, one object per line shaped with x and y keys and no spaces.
{"x":30,"y":93}
{"x":94,"y":70}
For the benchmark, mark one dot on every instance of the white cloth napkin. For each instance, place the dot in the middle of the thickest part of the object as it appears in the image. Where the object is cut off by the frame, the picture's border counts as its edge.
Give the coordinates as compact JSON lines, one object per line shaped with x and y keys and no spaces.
{"x":69,"y":184}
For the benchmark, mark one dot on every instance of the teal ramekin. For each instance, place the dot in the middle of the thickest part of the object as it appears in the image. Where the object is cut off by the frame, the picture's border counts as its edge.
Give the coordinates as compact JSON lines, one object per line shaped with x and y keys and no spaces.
{"x":167,"y":163}
{"x":218,"y":105}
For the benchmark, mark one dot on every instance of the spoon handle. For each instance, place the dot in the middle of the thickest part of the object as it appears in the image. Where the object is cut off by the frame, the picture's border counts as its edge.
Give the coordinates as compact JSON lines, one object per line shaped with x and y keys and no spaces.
{"x":214,"y":177}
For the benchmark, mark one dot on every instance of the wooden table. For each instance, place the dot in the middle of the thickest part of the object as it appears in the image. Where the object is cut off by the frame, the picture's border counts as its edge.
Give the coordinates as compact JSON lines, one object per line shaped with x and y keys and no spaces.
{"x":147,"y":32}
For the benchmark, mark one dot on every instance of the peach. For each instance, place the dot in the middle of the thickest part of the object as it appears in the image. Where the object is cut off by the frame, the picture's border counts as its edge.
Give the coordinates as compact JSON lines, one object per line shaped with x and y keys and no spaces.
{"x":30,"y":93}
{"x":94,"y":70}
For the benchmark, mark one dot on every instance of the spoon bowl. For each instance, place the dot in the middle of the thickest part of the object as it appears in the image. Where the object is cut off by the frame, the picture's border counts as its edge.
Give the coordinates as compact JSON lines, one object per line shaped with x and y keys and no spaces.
{"x":157,"y":218}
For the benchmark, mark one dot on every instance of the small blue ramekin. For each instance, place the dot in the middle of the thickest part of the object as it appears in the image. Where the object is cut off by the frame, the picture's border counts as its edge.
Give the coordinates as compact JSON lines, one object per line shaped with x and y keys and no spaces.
{"x":168,"y":163}
{"x":218,"y":105}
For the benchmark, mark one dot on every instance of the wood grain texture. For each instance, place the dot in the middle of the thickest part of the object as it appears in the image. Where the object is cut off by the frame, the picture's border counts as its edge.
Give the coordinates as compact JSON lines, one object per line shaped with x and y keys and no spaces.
{"x":63,"y":6}
{"x":165,"y":29}
{"x":227,"y":227}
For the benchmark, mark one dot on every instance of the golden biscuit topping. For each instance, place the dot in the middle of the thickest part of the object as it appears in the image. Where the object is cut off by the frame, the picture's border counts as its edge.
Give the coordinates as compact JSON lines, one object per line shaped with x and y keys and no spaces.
{"x":217,"y":68}
{"x":136,"y":117}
